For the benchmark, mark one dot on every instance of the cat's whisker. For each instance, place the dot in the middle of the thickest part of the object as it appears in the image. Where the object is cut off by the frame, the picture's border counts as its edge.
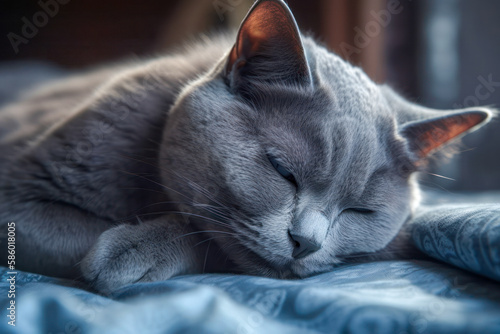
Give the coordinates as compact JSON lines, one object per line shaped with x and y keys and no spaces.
{"x":210,"y":208}
{"x":441,"y":176}
{"x":157,"y":183}
{"x":214,"y":221}
{"x":243,"y":255}
{"x":199,"y":216}
{"x":217,"y":213}
{"x":151,"y":213}
{"x":209,"y":239}
{"x":224,"y":250}
{"x":206,"y":256}
{"x":190,"y":183}
{"x":193,"y":186}
{"x":432,"y":186}
{"x":143,"y":189}
{"x":241,"y":220}
{"x":467,"y":150}
{"x":199,"y":232}
{"x":200,"y":190}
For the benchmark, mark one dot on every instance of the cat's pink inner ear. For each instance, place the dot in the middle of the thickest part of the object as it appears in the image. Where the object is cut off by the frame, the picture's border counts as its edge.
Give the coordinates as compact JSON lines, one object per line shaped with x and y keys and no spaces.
{"x":427,"y":136}
{"x":269,"y":24}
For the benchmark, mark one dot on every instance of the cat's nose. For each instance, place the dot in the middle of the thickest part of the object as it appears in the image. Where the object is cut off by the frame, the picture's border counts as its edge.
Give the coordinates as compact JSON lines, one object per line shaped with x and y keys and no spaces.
{"x":303,"y":246}
{"x":308,"y":232}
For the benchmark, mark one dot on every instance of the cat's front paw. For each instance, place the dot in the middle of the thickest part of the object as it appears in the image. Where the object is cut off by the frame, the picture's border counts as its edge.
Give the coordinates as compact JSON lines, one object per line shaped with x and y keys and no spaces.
{"x":121,"y":256}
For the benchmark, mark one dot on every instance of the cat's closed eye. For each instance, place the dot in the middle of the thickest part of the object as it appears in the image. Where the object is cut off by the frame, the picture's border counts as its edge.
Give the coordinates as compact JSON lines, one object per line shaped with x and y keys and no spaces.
{"x":362,"y":211}
{"x":282,"y":170}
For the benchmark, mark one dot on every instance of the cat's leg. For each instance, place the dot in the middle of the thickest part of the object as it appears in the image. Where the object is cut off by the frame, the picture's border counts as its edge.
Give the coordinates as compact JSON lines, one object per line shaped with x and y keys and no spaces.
{"x":151,"y":251}
{"x":51,"y":238}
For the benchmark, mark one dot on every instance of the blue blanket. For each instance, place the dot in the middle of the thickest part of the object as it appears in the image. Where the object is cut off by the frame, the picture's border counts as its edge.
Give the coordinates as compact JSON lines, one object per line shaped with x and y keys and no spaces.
{"x":379,"y":297}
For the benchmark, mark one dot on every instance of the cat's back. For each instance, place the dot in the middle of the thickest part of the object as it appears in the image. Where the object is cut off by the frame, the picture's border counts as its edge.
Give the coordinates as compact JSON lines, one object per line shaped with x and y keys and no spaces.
{"x":48,"y":103}
{"x":48,"y":106}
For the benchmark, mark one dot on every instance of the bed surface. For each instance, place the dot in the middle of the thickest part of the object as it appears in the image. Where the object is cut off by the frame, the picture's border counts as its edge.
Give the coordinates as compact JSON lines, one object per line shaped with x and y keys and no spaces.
{"x":384,"y":297}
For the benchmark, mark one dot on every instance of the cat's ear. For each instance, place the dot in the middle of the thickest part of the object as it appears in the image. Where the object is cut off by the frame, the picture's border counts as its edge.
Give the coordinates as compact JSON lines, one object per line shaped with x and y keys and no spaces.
{"x":426,"y":136}
{"x":268,"y":48}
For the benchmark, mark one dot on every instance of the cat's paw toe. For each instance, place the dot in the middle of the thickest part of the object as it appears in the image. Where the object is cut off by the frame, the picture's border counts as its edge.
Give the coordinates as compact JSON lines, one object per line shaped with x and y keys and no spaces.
{"x":116,"y":260}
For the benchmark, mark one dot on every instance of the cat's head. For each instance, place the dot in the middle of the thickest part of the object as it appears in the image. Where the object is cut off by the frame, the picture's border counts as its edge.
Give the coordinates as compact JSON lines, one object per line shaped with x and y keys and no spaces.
{"x":294,"y":158}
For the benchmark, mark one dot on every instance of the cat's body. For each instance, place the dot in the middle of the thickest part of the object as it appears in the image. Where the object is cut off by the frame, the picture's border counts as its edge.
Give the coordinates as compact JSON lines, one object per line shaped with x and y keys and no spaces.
{"x":179,"y":159}
{"x":77,"y":143}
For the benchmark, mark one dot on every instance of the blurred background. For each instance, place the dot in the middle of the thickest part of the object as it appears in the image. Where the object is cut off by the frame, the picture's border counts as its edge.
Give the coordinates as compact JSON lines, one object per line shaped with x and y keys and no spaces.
{"x":443,"y":54}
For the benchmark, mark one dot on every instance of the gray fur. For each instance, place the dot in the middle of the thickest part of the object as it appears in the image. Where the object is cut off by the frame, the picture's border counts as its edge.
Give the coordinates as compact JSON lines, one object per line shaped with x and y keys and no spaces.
{"x":146,"y":170}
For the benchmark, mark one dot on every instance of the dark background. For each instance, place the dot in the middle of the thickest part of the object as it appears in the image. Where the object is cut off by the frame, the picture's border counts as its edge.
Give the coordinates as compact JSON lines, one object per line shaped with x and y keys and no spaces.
{"x":435,"y":53}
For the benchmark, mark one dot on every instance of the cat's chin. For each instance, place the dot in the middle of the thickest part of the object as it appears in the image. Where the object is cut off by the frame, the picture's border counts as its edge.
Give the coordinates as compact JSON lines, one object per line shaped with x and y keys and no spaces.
{"x":303,"y":271}
{"x":248,"y":261}
{"x":293,"y":269}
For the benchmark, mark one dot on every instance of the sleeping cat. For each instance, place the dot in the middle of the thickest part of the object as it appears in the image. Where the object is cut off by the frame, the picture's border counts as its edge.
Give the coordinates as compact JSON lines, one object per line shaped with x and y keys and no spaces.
{"x":263,"y":154}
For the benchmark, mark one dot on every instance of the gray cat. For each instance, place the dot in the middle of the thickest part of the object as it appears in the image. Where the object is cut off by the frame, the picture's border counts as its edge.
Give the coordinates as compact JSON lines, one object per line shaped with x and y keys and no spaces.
{"x":267,"y":156}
